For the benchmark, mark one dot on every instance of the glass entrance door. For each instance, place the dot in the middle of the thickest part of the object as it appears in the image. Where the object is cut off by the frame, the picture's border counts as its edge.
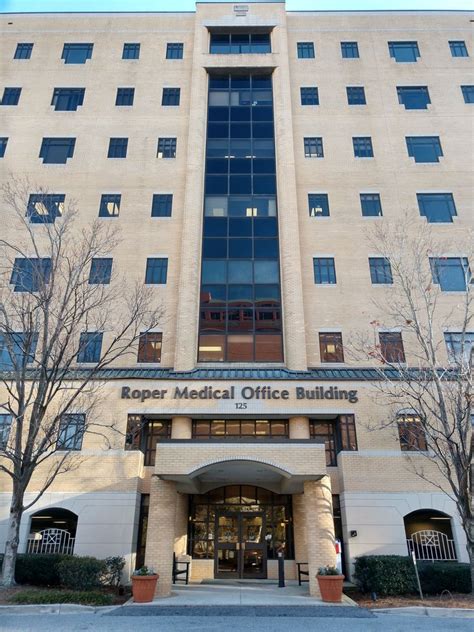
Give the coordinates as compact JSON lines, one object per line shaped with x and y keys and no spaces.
{"x":240,"y":547}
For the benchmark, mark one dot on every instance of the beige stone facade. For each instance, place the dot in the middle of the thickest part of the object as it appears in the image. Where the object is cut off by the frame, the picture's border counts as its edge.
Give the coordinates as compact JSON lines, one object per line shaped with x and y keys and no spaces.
{"x":373,"y":482}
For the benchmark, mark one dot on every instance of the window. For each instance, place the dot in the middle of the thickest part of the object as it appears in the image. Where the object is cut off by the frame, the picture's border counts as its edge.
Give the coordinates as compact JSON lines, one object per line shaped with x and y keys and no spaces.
{"x":411,"y":433}
{"x":237,"y":43}
{"x":67,"y":99}
{"x":125,"y":96}
{"x":71,"y":431}
{"x":170,"y":96}
{"x":143,"y":434}
{"x":437,"y":207}
{"x":56,"y":151}
{"x":371,"y":205}
{"x":3,"y":145}
{"x":338,"y":434}
{"x":349,"y":50}
{"x":149,"y":347}
{"x":451,"y":273}
{"x":101,"y":271}
{"x":404,"y":51}
{"x":414,"y":97}
{"x":330,"y":347}
{"x":174,"y":50}
{"x":391,"y":347}
{"x":356,"y":95}
{"x":380,"y":270}
{"x":23,"y":51}
{"x":162,"y":205}
{"x":110,"y":205}
{"x":118,"y":148}
{"x":16,"y":349}
{"x":309,"y":96}
{"x":90,"y":347}
{"x":305,"y":50}
{"x":424,"y":148}
{"x":131,"y":51}
{"x":468,"y":93}
{"x":318,"y":204}
{"x":166,"y":148}
{"x":45,"y":208}
{"x":460,"y":346}
{"x":11,"y":96}
{"x":458,"y":49}
{"x":156,"y":271}
{"x":77,"y":53}
{"x":313,"y":147}
{"x":5,"y":426}
{"x":29,"y":275}
{"x":222,"y":429}
{"x":363,"y":147}
{"x":324,"y":271}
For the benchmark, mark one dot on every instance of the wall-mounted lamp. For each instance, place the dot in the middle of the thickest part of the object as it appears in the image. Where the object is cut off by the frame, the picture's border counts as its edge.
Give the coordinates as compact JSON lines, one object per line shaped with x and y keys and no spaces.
{"x":353,"y":533}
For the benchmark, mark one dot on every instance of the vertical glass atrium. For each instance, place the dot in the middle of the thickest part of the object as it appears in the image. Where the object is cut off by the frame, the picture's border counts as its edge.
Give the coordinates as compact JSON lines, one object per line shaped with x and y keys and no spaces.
{"x":240,"y":309}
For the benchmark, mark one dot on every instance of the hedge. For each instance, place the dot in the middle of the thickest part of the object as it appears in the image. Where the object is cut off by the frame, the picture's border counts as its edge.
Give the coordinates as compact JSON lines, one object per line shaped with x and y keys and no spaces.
{"x":90,"y":598}
{"x":438,"y":576}
{"x":385,"y":574}
{"x":80,"y":573}
{"x":395,"y":575}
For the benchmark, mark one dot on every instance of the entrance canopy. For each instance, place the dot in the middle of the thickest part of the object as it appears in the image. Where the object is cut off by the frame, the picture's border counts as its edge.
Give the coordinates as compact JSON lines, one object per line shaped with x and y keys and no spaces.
{"x":281,"y":468}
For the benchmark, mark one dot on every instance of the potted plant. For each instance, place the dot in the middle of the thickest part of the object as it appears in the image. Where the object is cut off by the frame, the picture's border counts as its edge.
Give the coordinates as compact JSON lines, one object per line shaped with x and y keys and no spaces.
{"x":144,"y":584}
{"x":330,"y":584}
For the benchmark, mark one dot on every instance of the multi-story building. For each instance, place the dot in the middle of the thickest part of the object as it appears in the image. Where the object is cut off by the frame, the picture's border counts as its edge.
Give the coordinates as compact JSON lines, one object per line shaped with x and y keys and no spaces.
{"x":243,"y":150}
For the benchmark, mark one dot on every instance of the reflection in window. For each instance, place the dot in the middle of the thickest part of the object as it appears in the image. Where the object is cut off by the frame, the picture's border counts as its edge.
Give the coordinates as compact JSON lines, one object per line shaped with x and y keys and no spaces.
{"x":237,"y":43}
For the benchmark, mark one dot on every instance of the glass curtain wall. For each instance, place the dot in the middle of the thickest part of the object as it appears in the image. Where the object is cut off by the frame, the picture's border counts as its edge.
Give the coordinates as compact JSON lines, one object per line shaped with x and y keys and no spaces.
{"x":240,"y":309}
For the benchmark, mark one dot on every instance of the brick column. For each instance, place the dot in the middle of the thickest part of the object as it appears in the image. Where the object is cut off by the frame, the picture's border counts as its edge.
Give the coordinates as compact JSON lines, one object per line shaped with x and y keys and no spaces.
{"x":319,"y":529}
{"x":181,"y":526}
{"x":161,"y":533}
{"x":181,"y":428}
{"x":299,"y":528}
{"x":299,"y":428}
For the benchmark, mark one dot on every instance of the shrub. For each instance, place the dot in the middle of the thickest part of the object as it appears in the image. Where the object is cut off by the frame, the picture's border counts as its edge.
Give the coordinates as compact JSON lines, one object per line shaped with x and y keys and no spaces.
{"x":113,"y":572}
{"x":440,"y":576}
{"x":90,"y":598}
{"x":81,"y":573}
{"x":37,"y":570}
{"x":385,"y":574}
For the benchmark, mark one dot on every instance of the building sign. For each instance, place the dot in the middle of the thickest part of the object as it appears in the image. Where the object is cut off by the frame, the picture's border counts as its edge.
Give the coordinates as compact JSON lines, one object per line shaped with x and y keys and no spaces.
{"x":268,"y":393}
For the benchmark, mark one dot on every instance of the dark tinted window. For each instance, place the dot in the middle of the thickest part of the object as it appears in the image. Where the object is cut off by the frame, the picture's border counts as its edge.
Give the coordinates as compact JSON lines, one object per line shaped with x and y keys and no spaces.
{"x":170,"y":96}
{"x":45,"y":208}
{"x":131,"y":51}
{"x":90,"y":346}
{"x":356,"y":95}
{"x":125,"y":96}
{"x":380,"y":270}
{"x":71,"y":431}
{"x":305,"y":50}
{"x":166,"y":148}
{"x":451,"y":273}
{"x":458,"y":49}
{"x":313,"y":147}
{"x":149,"y":347}
{"x":424,"y":148}
{"x":11,"y":96}
{"x":23,"y":51}
{"x":174,"y":50}
{"x":110,"y":205}
{"x":29,"y":275}
{"x":391,"y":346}
{"x":162,"y":205}
{"x":67,"y":99}
{"x":330,"y":347}
{"x":324,"y":271}
{"x":57,"y":150}
{"x":437,"y":207}
{"x":371,"y":204}
{"x":3,"y":145}
{"x":77,"y":53}
{"x":413,"y":97}
{"x":239,"y":43}
{"x":318,"y":204}
{"x":309,"y":96}
{"x":349,"y":50}
{"x":468,"y":93}
{"x":404,"y":51}
{"x":101,"y":271}
{"x":117,"y":148}
{"x":363,"y":147}
{"x":156,"y":271}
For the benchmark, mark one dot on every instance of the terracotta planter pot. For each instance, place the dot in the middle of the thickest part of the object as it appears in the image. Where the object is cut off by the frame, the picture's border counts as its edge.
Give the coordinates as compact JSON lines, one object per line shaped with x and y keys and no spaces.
{"x":143,"y":587}
{"x":330,"y":587}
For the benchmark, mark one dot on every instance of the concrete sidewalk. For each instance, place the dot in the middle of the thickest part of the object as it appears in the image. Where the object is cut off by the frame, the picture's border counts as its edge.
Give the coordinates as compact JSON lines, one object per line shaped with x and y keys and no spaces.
{"x":241,"y":593}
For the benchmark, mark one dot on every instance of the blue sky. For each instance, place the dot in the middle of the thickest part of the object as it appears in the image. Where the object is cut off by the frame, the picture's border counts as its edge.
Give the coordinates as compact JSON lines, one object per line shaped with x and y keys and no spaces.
{"x":188,"y":5}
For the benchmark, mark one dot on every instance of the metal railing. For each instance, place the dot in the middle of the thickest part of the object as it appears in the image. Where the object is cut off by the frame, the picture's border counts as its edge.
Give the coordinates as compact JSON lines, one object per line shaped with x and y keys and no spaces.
{"x":51,"y":541}
{"x":432,"y":546}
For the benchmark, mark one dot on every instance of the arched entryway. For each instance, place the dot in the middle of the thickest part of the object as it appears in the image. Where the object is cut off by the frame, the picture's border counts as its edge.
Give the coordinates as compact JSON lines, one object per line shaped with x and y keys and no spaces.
{"x":429,"y":535}
{"x":52,"y":530}
{"x":240,"y":527}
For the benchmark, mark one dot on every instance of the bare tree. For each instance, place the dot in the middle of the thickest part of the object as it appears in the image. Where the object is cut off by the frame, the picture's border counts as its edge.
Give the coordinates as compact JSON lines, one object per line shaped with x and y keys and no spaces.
{"x":50,"y":297}
{"x":436,"y":391}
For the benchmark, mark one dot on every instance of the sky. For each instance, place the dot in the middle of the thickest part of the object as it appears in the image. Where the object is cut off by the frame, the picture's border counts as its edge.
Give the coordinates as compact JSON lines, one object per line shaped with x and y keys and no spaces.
{"x":188,"y":5}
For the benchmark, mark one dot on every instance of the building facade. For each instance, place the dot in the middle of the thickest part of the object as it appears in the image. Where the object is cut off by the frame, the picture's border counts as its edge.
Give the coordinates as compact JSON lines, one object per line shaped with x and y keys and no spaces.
{"x":244,"y":151}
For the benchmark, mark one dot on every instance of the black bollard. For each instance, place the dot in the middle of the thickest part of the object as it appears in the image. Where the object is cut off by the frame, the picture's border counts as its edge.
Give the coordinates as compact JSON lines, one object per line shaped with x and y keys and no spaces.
{"x":281,"y":570}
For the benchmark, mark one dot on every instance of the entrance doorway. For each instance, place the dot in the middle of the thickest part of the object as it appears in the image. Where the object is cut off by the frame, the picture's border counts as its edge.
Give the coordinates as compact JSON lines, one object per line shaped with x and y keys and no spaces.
{"x":240,"y":546}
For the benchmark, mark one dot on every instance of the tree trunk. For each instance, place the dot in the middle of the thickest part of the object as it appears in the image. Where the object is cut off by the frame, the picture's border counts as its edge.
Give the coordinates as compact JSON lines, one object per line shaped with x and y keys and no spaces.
{"x":13,"y":538}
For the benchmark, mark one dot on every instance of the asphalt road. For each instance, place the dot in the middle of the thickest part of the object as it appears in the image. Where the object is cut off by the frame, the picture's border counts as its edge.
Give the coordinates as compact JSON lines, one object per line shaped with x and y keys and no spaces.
{"x":165,"y":623}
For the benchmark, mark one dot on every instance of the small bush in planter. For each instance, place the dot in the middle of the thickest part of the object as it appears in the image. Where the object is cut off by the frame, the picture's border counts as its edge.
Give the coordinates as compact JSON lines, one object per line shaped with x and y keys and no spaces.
{"x":328,"y":570}
{"x":144,"y":571}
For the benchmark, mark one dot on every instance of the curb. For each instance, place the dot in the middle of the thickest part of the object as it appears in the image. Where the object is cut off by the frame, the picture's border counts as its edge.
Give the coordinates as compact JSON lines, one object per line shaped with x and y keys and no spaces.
{"x":425,"y":611}
{"x":58,"y":608}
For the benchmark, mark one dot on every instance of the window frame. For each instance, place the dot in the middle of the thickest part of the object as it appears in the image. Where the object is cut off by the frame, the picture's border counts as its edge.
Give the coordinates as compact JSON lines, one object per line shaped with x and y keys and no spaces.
{"x":404,"y":45}
{"x":313,"y":198}
{"x":404,"y":92}
{"x":424,"y":144}
{"x":468,"y":93}
{"x":380,"y":270}
{"x":118,"y":148}
{"x":423,"y":201}
{"x":356,"y":95}
{"x":131,"y":51}
{"x":162,"y":205}
{"x":160,"y":272}
{"x":363,"y":147}
{"x":411,"y":441}
{"x":458,"y":48}
{"x":436,"y":270}
{"x":167,"y":145}
{"x":324,"y":269}
{"x":35,"y":278}
{"x":144,"y":354}
{"x":459,"y":346}
{"x":392,"y":349}
{"x":63,"y":440}
{"x":334,"y":338}
{"x":53,"y":203}
{"x":3,"y":145}
{"x":100,"y":272}
{"x":90,"y":347}
{"x":171,"y":97}
{"x":11,"y":96}
{"x":305,"y":50}
{"x":174,"y":50}
{"x":6,"y":422}
{"x":124,"y":97}
{"x":105,"y":200}
{"x":313,"y":147}
{"x":53,"y":143}
{"x":74,"y":98}
{"x":305,"y":92}
{"x":352,"y":47}
{"x":23,"y":50}
{"x":376,"y":202}
{"x":70,"y":47}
